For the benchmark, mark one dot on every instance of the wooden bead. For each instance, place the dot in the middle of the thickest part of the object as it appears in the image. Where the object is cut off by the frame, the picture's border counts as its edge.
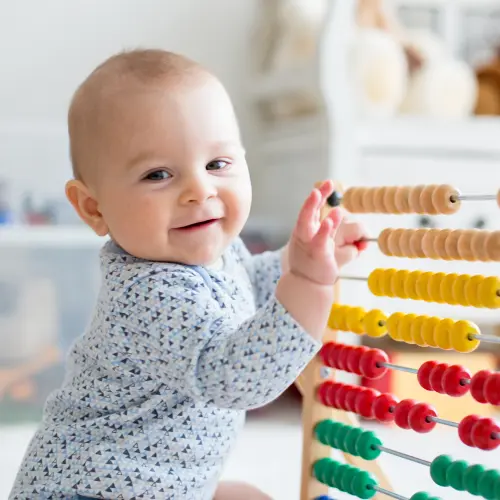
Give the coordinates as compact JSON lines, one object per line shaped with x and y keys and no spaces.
{"x":446,"y":199}
{"x":427,"y":199}
{"x":394,"y":242}
{"x":347,"y":199}
{"x":401,"y":199}
{"x":378,"y":199}
{"x":439,"y":244}
{"x":383,"y":242}
{"x":498,"y":198}
{"x":404,"y":244}
{"x":416,"y":242}
{"x":479,"y":247}
{"x":464,"y":245}
{"x":451,"y":244}
{"x":356,"y":201}
{"x":428,"y":244}
{"x":493,"y":245}
{"x":367,"y":200}
{"x":390,"y":200}
{"x":414,"y":199}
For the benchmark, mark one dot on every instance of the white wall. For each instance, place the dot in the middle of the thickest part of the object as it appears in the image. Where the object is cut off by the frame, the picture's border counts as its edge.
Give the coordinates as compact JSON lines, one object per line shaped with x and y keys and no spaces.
{"x":47,"y":47}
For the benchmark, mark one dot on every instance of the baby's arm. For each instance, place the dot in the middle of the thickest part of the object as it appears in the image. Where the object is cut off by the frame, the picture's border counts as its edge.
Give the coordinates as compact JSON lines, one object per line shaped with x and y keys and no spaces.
{"x":182,"y":337}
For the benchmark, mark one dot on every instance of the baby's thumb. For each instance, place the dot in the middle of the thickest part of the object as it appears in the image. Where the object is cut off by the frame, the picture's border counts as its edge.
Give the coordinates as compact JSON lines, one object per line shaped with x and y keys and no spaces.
{"x":345,"y":254}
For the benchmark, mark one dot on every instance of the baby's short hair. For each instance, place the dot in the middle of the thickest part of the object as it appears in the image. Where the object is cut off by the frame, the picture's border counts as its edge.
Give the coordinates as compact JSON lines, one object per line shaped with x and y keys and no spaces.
{"x":139,"y":67}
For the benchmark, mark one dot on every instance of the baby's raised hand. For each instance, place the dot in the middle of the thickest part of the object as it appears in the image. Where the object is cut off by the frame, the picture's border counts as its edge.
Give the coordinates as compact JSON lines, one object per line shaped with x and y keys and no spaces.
{"x":311,"y":250}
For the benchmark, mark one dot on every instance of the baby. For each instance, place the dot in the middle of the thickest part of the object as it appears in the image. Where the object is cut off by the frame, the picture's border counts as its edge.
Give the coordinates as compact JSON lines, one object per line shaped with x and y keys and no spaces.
{"x":189,"y":330}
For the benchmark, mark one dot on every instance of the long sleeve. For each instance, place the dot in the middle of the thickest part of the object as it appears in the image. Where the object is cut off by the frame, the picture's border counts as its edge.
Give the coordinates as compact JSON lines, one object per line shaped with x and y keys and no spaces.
{"x":181,"y":334}
{"x":264,"y":270}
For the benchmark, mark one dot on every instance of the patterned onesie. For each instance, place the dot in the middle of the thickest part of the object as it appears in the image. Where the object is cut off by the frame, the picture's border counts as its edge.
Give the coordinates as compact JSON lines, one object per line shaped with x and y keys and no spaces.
{"x":157,"y":387}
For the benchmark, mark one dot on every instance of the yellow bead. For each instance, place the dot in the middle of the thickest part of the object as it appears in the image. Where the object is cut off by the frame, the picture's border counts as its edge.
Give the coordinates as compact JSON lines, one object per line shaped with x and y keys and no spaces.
{"x":429,"y":330}
{"x":417,"y":330}
{"x":458,"y":289}
{"x":472,"y":290}
{"x":435,"y":287}
{"x":342,"y":318}
{"x":386,"y":283}
{"x":422,"y":286}
{"x":443,"y":333}
{"x":460,"y":336}
{"x":375,"y":323}
{"x":411,"y":283}
{"x":393,"y":325}
{"x":354,"y":319}
{"x":398,"y":283}
{"x":375,"y":282}
{"x":404,"y":328}
{"x":489,"y":292}
{"x":333,"y":318}
{"x":447,"y":288}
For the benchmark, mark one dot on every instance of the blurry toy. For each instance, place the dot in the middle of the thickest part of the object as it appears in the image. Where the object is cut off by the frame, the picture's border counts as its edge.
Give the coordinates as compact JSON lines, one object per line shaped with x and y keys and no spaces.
{"x":488,"y":95}
{"x":408,"y":71}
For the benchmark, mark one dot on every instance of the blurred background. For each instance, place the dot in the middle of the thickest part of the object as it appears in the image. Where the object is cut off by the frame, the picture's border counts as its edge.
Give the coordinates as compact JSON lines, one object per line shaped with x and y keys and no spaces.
{"x":366,"y":92}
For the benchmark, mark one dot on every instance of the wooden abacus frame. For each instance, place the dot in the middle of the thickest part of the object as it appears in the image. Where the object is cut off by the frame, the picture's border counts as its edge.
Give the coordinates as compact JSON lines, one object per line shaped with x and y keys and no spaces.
{"x":313,"y":412}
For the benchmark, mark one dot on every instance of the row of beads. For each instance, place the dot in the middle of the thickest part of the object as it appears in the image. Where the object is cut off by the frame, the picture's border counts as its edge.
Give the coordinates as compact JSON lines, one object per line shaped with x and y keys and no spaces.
{"x":473,"y":431}
{"x":432,"y":199}
{"x":345,"y":477}
{"x":432,"y":331}
{"x":446,"y":244}
{"x":461,"y":476}
{"x":357,"y":320}
{"x":462,"y":289}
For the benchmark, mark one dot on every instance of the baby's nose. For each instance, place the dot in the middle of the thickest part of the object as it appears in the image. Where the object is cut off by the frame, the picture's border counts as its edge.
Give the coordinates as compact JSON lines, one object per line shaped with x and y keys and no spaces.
{"x":197,"y":190}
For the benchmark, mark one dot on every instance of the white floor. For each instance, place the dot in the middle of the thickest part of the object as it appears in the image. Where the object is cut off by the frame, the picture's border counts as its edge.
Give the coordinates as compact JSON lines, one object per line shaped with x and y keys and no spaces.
{"x":268,"y":455}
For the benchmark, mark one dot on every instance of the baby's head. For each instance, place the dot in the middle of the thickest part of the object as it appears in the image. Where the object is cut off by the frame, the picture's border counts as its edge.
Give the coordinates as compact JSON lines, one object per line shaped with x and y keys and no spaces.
{"x":157,"y":157}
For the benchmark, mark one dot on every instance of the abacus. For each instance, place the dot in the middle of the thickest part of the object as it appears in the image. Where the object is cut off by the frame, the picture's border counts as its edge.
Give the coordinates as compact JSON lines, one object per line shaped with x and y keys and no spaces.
{"x":330,"y":407}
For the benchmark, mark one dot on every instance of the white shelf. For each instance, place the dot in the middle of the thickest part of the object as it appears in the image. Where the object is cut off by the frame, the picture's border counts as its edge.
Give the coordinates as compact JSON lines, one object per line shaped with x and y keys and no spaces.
{"x":49,"y":237}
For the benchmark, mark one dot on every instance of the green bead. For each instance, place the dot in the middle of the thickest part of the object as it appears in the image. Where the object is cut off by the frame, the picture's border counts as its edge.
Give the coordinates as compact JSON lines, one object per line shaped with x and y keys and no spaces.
{"x":487,"y":484}
{"x":338,"y":440}
{"x":439,"y":466}
{"x":471,"y":478}
{"x":362,"y":485}
{"x":339,"y":474}
{"x":347,"y":479}
{"x":321,"y":431}
{"x":321,"y":468}
{"x":330,"y":473}
{"x":497,"y":490}
{"x":350,"y":440}
{"x":333,"y":430}
{"x":455,"y":474}
{"x":367,"y":446}
{"x":421,"y":495}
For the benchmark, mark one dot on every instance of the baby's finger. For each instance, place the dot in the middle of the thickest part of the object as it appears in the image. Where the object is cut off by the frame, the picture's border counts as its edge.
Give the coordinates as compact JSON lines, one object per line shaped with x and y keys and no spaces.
{"x":351,"y":233}
{"x":323,"y":238}
{"x":336,"y":216}
{"x":326,"y":190}
{"x":304,"y":229}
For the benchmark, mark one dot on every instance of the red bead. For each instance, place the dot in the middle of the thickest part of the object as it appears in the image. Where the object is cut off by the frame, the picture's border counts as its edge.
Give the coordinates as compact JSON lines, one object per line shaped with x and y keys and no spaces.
{"x":350,"y":398}
{"x":369,"y":361}
{"x":340,"y":396}
{"x":436,"y":377}
{"x":424,"y":373}
{"x":364,"y":402}
{"x":453,"y":378}
{"x":418,"y":418}
{"x":322,"y":392}
{"x":401,"y":413}
{"x":465,"y":429}
{"x":477,"y":385}
{"x":342,"y":356}
{"x":484,"y":434}
{"x":327,"y":353}
{"x":352,"y":363}
{"x":492,"y":389}
{"x":384,"y":407}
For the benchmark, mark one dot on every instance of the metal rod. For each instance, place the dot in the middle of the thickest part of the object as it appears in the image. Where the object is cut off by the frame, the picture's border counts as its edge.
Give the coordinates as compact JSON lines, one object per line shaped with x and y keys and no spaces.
{"x":388,"y":493}
{"x":443,"y":422}
{"x":354,"y":278}
{"x":474,"y":197}
{"x":398,"y":368}
{"x":490,"y":339}
{"x":399,"y":454}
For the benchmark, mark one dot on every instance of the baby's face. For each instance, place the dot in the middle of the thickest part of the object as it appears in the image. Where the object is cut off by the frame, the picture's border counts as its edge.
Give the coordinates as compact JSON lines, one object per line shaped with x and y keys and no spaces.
{"x":173,"y":183}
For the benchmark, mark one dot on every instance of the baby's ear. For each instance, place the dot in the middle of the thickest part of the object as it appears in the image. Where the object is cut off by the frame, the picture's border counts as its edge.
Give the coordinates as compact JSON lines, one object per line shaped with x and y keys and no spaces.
{"x":86,"y":206}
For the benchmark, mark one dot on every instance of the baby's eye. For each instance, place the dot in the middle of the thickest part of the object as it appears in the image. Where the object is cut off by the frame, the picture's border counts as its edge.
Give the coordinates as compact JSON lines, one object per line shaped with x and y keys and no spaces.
{"x":157,"y":175}
{"x":217,"y":165}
